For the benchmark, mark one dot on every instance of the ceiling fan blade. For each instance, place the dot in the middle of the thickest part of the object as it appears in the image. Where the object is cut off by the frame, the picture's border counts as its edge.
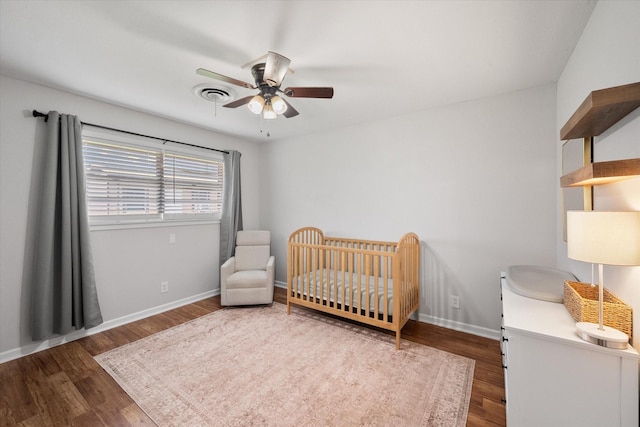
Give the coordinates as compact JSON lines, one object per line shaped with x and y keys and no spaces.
{"x":223,"y":78}
{"x":239,"y":102}
{"x":290,"y":112}
{"x":309,"y":92}
{"x":275,"y":69}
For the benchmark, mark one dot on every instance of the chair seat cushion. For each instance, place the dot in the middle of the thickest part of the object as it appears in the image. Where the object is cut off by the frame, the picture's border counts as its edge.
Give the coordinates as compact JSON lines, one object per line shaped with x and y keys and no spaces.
{"x":247,"y":279}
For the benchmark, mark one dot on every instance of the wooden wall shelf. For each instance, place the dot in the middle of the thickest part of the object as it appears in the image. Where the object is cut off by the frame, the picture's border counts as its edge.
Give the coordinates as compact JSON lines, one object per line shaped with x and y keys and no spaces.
{"x":601,"y":110}
{"x":598,"y":112}
{"x":602,"y":173}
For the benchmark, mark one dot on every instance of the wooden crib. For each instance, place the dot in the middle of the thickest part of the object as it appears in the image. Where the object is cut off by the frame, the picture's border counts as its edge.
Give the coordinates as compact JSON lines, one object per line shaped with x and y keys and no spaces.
{"x":368,"y":281}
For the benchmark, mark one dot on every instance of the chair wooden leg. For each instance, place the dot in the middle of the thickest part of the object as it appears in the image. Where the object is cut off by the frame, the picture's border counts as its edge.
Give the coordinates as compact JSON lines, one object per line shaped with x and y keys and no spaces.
{"x":397,"y":340}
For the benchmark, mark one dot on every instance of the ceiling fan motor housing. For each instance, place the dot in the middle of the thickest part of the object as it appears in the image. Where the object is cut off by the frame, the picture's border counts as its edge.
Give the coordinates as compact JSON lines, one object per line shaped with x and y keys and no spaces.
{"x":257,"y":71}
{"x":266,"y":90}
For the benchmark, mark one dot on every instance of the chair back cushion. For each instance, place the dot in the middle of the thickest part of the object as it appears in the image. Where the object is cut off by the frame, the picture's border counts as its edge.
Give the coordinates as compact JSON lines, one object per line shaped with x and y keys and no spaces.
{"x":252,"y":250}
{"x":253,"y":238}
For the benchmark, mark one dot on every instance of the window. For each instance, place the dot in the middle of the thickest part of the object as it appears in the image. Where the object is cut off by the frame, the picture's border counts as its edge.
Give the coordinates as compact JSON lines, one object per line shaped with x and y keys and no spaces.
{"x":144,"y":182}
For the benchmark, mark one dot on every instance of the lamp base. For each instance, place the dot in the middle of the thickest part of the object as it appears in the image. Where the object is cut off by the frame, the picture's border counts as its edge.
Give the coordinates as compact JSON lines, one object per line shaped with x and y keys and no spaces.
{"x":609,"y":337}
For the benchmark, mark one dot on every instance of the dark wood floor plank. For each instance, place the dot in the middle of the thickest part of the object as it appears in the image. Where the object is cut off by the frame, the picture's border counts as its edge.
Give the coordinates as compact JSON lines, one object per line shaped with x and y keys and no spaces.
{"x":69,"y":398}
{"x":123,"y":335}
{"x":48,"y":401}
{"x":136,"y":416}
{"x":66,"y":386}
{"x":209,"y":304}
{"x":16,"y":402}
{"x":42,"y":363}
{"x":96,"y":344}
{"x":38,"y":420}
{"x":74,"y":360}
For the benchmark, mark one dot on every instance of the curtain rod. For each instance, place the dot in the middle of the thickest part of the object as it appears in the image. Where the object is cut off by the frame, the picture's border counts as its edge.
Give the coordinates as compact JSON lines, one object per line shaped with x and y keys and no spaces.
{"x":37,"y":113}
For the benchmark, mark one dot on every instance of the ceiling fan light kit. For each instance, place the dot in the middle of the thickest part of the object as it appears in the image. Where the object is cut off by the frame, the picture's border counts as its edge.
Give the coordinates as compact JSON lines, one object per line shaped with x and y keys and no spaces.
{"x":268,"y":76}
{"x":268,"y":113}
{"x":256,"y":104}
{"x":278,"y":104}
{"x":270,"y":107}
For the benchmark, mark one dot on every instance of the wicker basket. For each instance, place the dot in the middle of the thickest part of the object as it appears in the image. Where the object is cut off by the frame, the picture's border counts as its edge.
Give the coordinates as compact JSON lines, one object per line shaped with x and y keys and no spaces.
{"x":581,"y":300}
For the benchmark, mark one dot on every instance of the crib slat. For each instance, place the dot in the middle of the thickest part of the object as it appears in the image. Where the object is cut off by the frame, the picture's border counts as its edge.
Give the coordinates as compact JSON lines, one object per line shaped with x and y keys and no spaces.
{"x":351,"y":278}
{"x":336,"y":277}
{"x":376,"y":285}
{"x":357,"y":258}
{"x":343,"y":260}
{"x":385,"y":292}
{"x":317,"y":276}
{"x":369,"y":290}
{"x":308,"y":271}
{"x":325,"y":296}
{"x":296,"y":266}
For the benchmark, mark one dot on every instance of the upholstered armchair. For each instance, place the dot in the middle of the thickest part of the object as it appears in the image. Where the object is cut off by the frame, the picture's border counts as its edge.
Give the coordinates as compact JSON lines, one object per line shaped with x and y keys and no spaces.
{"x":247,"y":277}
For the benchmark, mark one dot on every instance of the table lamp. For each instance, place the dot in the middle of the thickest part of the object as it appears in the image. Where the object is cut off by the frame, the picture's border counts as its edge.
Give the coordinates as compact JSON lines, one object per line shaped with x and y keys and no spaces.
{"x":603,"y":237}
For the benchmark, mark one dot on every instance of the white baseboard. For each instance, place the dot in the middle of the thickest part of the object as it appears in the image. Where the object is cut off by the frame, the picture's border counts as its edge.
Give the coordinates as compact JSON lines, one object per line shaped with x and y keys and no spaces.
{"x":110,"y":324}
{"x":459,"y":326}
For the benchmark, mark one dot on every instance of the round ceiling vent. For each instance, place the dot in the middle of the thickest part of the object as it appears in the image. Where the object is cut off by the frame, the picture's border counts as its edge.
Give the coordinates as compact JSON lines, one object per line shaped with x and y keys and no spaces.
{"x":214,"y":93}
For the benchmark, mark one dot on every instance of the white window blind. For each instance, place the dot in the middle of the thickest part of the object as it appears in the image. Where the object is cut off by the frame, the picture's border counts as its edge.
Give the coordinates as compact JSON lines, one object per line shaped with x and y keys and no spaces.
{"x":127,"y":184}
{"x":192,"y":186}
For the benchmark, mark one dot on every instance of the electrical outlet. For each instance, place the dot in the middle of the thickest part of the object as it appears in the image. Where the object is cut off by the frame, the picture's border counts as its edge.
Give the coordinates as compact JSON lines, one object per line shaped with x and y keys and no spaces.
{"x":172,"y":238}
{"x":455,"y":301}
{"x":164,"y":287}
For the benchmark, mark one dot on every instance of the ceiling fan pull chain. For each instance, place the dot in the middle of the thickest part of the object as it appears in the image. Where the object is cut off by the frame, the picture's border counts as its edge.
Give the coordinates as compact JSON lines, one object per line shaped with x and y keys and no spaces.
{"x":261,"y":126}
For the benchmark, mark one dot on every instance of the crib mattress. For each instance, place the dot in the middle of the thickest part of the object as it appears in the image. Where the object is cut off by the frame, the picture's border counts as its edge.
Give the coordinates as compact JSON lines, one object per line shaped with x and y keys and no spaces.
{"x":325,"y":284}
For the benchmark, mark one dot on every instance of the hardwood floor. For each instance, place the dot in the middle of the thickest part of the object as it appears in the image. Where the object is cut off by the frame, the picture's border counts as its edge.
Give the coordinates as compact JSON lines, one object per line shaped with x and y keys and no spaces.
{"x":65,"y":386}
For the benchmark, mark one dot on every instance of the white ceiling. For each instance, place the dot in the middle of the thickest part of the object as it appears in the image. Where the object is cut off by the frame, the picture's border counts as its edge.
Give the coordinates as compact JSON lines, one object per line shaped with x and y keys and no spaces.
{"x":383,"y":58}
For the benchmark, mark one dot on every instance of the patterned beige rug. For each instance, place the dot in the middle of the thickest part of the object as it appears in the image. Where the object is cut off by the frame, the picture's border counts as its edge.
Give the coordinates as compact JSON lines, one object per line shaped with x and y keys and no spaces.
{"x":259,"y":367}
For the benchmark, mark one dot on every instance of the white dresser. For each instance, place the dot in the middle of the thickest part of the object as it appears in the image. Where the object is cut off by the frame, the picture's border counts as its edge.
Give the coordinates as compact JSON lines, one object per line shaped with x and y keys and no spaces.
{"x":553,"y":378}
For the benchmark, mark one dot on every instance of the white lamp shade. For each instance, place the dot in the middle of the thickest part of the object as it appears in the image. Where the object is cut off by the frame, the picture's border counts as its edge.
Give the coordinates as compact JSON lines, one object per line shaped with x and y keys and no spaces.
{"x":278,"y":104}
{"x":603,"y":237}
{"x":256,"y":104}
{"x":268,"y":112}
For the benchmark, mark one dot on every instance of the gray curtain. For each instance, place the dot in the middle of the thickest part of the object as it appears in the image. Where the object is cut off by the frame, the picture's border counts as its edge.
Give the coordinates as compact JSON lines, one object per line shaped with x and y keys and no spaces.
{"x":63,"y":288}
{"x":231,"y":219}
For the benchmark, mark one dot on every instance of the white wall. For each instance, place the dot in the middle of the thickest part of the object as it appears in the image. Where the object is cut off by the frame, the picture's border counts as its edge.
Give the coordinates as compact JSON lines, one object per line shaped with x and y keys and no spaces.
{"x":129,"y":263}
{"x":607,"y":55}
{"x":476,"y":181}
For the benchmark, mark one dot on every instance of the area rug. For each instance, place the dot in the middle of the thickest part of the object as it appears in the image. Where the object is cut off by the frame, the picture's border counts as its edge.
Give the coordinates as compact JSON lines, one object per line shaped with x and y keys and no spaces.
{"x":258,"y":366}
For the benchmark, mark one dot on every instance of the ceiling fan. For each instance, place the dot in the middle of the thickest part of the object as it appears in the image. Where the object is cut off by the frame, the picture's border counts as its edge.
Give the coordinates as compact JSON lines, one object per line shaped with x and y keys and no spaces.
{"x":268,"y":72}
